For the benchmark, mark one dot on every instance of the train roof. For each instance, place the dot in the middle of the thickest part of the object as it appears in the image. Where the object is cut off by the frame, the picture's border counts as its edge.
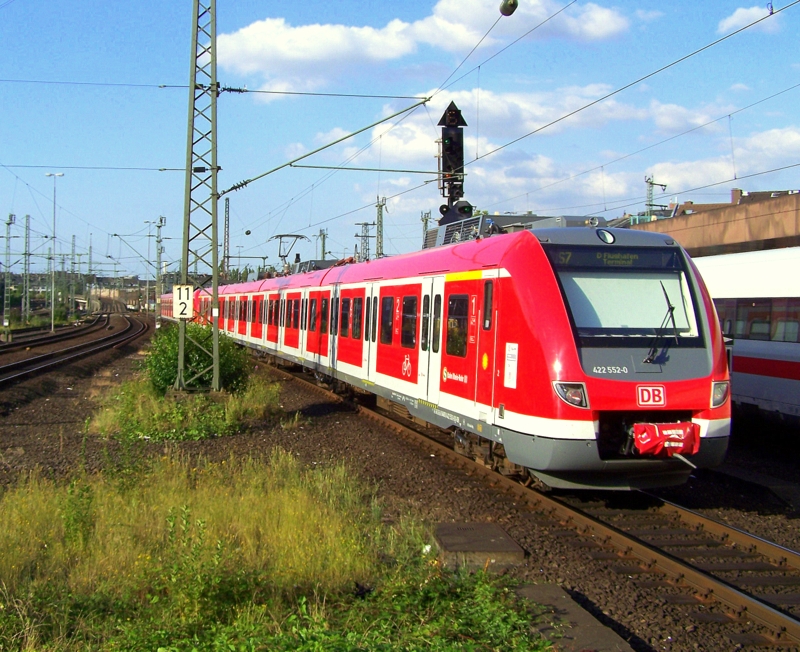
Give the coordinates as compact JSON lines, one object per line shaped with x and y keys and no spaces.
{"x":764,"y":274}
{"x":482,"y":253}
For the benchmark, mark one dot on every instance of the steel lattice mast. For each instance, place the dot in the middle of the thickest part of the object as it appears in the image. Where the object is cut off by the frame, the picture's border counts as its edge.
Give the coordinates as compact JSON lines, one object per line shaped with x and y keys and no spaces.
{"x":200,"y":200}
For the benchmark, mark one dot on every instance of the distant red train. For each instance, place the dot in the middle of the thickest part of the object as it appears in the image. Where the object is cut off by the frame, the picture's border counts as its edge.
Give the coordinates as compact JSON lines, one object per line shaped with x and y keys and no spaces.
{"x":587,"y":357}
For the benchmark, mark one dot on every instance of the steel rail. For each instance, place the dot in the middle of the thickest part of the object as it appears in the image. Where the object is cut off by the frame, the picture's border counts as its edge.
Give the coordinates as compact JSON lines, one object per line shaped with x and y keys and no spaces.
{"x":117,"y":339}
{"x":707,"y":588}
{"x":43,"y":340}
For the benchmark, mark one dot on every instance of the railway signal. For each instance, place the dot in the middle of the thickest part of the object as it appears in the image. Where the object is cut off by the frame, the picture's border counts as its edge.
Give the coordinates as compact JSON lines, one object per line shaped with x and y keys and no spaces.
{"x":451,"y":180}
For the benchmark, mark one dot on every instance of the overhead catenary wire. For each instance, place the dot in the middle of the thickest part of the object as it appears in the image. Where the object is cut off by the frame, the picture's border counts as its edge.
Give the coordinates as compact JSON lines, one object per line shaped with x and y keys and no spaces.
{"x":648,"y":147}
{"x":634,"y":82}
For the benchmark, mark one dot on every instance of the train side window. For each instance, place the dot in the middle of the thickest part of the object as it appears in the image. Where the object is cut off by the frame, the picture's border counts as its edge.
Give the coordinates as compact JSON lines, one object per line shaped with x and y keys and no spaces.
{"x":366,"y":320}
{"x":408,"y":325}
{"x":312,"y":316}
{"x":488,"y":291}
{"x":323,"y":319}
{"x":437,"y":322}
{"x":358,"y":302}
{"x":785,"y":320}
{"x":283,"y":312}
{"x":250,"y":311}
{"x":426,"y":320}
{"x":387,"y":314}
{"x":302,"y":314}
{"x":374,"y":318}
{"x":334,"y":315}
{"x":752,"y":318}
{"x":457,"y":318}
{"x":344,"y":322}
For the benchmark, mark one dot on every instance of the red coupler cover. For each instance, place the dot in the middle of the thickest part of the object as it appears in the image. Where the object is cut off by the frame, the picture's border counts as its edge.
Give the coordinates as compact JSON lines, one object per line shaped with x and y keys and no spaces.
{"x":666,"y":439}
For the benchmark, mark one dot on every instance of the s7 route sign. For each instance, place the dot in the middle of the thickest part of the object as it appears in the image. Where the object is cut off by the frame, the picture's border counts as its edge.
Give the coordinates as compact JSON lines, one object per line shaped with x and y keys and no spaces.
{"x":182,"y":301}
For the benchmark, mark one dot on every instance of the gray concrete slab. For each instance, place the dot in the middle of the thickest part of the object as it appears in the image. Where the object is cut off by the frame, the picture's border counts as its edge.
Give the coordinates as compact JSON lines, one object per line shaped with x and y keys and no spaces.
{"x":570,"y":627}
{"x":477,"y":545}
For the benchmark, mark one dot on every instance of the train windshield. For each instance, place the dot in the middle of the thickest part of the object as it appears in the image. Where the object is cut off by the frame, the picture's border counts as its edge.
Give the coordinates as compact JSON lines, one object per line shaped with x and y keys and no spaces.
{"x":626,"y":293}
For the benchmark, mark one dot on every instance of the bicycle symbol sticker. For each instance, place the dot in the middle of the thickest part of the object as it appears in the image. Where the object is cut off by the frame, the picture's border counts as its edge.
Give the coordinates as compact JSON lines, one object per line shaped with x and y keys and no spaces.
{"x":407,"y":366}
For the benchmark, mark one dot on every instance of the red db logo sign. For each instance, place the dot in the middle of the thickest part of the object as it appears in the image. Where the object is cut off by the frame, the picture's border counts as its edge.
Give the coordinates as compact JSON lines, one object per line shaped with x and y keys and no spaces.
{"x":651,"y":395}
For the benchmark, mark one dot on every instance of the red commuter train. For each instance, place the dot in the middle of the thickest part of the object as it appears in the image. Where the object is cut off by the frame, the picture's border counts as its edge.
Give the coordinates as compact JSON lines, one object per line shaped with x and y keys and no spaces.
{"x":587,"y":357}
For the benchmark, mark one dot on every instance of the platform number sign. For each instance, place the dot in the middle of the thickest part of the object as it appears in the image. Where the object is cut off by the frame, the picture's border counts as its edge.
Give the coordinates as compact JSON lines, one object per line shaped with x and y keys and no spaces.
{"x":182,"y":302}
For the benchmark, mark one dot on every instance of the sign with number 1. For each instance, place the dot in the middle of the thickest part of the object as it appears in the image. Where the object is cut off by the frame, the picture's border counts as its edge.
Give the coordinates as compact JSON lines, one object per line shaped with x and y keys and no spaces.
{"x":182,"y":302}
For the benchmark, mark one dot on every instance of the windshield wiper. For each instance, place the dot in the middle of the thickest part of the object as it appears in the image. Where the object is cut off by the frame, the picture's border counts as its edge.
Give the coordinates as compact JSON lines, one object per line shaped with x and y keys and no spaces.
{"x":670,"y":316}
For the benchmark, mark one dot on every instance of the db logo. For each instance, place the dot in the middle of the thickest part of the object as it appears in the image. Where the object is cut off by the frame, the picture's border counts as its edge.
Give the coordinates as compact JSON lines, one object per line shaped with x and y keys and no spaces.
{"x":651,"y":395}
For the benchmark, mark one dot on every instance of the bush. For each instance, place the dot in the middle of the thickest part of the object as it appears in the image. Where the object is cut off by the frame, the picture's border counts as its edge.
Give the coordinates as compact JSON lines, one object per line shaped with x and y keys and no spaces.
{"x":162,"y":360}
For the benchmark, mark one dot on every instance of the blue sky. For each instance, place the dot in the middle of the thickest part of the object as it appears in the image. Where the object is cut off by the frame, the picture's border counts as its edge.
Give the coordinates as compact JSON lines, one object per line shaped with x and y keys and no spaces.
{"x":79,"y":95}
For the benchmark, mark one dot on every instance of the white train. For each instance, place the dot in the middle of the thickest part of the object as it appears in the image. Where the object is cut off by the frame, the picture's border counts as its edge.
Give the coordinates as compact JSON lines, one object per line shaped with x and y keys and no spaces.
{"x":757,"y":296}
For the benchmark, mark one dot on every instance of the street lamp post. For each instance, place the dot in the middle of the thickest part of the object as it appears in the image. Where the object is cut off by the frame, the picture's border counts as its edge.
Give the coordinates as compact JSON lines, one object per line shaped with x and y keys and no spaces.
{"x":55,"y":175}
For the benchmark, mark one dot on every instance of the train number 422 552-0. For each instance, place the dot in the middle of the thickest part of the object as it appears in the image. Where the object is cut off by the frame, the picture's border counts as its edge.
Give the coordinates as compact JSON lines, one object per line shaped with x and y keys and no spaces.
{"x":610,"y":370}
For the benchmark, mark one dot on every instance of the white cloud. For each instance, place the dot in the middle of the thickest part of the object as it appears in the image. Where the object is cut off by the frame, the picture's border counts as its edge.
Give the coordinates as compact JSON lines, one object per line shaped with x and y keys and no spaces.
{"x":672,"y":118}
{"x":310,"y":56}
{"x":740,"y":87}
{"x":758,"y":152}
{"x":742,"y":17}
{"x":648,"y":16}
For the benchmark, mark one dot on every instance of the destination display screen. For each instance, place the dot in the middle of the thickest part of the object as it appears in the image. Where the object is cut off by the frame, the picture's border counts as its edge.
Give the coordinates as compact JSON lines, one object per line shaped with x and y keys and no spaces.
{"x":569,"y":257}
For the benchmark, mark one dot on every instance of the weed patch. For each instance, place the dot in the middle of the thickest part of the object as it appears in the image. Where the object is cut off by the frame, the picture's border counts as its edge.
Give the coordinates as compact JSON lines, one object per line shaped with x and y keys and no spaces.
{"x":237,"y":555}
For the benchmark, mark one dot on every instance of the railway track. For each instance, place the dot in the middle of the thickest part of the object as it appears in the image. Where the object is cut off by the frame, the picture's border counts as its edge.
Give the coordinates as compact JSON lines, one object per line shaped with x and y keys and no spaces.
{"x":19,"y":370}
{"x":716,"y":574}
{"x":39,"y":338}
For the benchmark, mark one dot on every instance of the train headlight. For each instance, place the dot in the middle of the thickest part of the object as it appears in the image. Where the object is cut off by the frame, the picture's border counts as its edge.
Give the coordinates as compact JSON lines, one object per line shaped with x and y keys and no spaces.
{"x":719,"y":393}
{"x":572,"y":393}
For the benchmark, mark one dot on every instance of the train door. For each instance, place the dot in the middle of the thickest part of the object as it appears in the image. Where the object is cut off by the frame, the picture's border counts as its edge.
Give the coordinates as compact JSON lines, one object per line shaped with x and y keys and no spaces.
{"x":430,"y":353}
{"x":333,"y":326}
{"x":487,"y":314}
{"x":370,"y":349}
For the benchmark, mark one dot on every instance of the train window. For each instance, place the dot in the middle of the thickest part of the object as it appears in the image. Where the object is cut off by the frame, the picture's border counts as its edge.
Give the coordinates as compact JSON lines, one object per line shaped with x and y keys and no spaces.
{"x":457,"y":318}
{"x":323,"y":319}
{"x":600,"y":286}
{"x":344,"y":331}
{"x":250,"y":312}
{"x":366,"y":321}
{"x":357,"y":304}
{"x":726,"y":311}
{"x":752,"y":319}
{"x":312,"y":316}
{"x":426,"y":318}
{"x":374,"y":318}
{"x":303,"y":314}
{"x":408,"y":327}
{"x":283,"y":312}
{"x":488,"y":289}
{"x":296,"y":313}
{"x":387,"y":314}
{"x":437,"y":322}
{"x":785,"y":320}
{"x":334,"y":315}
{"x":759,"y":330}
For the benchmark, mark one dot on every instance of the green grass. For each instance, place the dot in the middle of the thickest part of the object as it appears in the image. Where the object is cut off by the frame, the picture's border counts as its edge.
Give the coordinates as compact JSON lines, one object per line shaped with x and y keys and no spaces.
{"x":138,"y":411}
{"x":237,"y":555}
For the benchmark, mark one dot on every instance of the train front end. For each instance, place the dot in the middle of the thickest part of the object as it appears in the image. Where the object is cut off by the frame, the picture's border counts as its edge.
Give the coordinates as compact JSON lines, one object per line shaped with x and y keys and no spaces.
{"x":635,"y":362}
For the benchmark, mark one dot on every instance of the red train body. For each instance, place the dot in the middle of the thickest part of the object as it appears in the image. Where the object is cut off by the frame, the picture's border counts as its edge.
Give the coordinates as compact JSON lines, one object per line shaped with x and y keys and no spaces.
{"x":541,"y":349}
